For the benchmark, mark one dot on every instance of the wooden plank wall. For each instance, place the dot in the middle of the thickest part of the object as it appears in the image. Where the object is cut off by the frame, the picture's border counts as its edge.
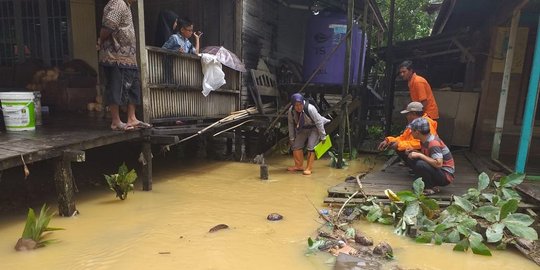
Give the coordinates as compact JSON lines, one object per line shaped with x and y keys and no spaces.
{"x":259,"y":32}
{"x":489,"y":103}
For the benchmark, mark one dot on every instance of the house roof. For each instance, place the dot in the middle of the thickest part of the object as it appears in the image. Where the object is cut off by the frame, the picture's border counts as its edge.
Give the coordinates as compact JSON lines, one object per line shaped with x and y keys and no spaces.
{"x":460,"y":14}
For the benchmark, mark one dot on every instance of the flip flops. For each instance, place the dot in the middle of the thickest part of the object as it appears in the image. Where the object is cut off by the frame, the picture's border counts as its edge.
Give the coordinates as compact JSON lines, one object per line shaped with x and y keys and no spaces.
{"x":122,"y":127}
{"x":142,"y":125}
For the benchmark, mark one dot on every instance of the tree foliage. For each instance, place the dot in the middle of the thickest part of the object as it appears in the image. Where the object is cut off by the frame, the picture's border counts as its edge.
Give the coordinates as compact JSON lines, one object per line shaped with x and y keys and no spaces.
{"x":411,"y":21}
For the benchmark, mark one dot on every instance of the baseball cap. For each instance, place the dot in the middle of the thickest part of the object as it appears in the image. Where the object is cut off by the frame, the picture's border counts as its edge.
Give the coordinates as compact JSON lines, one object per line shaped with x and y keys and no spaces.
{"x":413,"y":107}
{"x":420,"y":124}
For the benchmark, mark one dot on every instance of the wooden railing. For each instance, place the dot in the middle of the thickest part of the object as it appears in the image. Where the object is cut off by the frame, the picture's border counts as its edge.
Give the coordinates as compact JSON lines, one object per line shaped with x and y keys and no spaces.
{"x":175,"y":82}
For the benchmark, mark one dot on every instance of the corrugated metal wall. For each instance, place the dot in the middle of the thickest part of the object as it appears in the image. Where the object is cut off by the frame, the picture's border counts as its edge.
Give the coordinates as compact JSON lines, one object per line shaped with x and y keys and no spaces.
{"x":175,"y":83}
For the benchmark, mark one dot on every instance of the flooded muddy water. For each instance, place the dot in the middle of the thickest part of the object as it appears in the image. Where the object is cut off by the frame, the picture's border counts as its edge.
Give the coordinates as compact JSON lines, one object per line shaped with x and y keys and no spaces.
{"x":167,"y":228}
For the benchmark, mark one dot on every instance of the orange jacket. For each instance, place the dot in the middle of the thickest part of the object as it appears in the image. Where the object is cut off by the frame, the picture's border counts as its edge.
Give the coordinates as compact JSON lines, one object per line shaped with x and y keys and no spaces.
{"x":420,"y":90}
{"x":406,"y":141}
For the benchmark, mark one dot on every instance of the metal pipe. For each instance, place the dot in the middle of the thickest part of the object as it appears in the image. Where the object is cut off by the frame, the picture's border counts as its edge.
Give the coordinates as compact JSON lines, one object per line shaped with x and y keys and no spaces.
{"x":530,"y":108}
{"x":495,"y":149}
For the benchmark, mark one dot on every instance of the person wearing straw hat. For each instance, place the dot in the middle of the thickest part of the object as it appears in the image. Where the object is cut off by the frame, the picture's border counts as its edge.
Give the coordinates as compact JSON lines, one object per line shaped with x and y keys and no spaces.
{"x":405,"y":141}
{"x":306,"y":129}
{"x":434,"y":162}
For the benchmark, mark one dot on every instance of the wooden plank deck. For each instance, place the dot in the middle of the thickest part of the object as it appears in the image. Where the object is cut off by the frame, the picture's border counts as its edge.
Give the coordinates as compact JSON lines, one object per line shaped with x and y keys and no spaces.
{"x":59,"y":133}
{"x":397,"y":178}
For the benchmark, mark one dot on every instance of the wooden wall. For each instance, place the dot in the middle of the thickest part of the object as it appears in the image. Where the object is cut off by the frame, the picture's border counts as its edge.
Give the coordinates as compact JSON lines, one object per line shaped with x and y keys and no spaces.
{"x":259,"y":32}
{"x":489,"y":103}
{"x":83,"y":21}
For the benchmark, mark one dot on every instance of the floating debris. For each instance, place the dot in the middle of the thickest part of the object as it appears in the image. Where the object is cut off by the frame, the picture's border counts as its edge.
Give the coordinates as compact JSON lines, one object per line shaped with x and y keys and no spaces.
{"x":363,"y":240}
{"x":218,"y":227}
{"x":274,"y":217}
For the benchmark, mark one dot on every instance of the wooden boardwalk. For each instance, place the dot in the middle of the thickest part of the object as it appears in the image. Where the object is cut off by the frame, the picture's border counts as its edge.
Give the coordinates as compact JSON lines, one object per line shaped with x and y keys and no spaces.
{"x":68,"y":132}
{"x":397,"y":178}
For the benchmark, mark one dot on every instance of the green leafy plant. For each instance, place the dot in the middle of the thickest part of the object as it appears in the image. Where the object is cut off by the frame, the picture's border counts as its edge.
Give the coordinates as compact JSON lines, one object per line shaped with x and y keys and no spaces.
{"x":122,"y":182}
{"x":484,"y":215}
{"x":375,"y":132}
{"x":35,"y":229}
{"x":334,"y":160}
{"x":416,"y":205}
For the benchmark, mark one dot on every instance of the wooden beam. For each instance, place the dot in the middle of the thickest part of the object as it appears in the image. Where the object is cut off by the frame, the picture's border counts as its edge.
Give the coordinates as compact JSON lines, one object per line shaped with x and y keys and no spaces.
{"x":35,"y":156}
{"x":238,"y":24}
{"x":464,"y":50}
{"x":428,"y":55}
{"x":143,"y":62}
{"x":164,"y":139}
{"x":344,"y":115}
{"x":74,"y":155}
{"x":64,"y":182}
{"x":146,"y":161}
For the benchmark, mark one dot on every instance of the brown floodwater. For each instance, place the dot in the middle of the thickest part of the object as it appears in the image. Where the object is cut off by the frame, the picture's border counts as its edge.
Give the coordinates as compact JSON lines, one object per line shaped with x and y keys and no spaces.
{"x":167,"y":228}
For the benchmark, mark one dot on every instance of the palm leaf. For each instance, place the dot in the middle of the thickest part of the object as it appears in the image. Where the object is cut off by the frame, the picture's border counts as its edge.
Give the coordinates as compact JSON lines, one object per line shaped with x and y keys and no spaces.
{"x":29,"y":226}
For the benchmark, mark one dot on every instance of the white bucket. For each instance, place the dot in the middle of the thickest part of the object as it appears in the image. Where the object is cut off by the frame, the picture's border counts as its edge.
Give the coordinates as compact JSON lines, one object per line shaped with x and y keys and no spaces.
{"x":19,"y":110}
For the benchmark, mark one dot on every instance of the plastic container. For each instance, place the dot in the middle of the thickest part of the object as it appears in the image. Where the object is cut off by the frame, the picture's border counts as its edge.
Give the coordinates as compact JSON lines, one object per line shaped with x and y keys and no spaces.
{"x":324,"y":32}
{"x":19,"y":110}
{"x":324,"y":212}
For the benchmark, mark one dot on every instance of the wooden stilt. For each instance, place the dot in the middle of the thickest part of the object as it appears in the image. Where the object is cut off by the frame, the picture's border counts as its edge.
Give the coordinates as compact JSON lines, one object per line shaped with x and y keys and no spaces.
{"x":238,"y":144}
{"x":63,"y":178}
{"x":147,"y":165}
{"x":264,"y":172}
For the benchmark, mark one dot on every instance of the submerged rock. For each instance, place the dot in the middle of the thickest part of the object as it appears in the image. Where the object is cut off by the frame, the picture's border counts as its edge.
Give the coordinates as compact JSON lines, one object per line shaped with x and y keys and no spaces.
{"x":274,"y":217}
{"x":363,"y":240}
{"x":25,"y":244}
{"x":383,"y":249}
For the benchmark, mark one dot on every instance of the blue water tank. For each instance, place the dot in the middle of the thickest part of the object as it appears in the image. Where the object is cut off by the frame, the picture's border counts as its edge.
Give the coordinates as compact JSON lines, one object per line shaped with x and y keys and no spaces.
{"x":323,"y":34}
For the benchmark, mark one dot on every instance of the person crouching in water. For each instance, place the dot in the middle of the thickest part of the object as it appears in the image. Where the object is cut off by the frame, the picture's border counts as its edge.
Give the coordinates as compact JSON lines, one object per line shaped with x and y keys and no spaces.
{"x":306,"y":125}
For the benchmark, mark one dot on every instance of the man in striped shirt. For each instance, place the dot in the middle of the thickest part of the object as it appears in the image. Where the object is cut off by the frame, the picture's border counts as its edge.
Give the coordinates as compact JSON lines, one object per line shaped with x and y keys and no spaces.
{"x":434,"y":163}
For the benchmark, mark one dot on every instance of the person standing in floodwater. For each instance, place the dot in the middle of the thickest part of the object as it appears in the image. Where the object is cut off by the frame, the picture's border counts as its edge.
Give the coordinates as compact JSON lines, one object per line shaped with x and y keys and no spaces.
{"x":306,"y":129}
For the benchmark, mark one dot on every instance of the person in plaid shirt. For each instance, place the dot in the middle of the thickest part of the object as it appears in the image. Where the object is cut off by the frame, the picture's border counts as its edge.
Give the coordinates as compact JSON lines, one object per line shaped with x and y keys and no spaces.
{"x":434,"y":163}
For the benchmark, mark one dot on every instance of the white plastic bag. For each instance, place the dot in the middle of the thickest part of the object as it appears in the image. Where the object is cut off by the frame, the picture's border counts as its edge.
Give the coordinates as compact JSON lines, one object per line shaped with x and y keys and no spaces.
{"x":214,"y":77}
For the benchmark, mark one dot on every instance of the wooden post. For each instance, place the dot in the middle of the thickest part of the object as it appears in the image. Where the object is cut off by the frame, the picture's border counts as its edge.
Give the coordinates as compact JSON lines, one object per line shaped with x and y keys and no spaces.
{"x":146,"y":165}
{"x":264,"y":172}
{"x":389,"y":77}
{"x":63,"y":178}
{"x":145,"y":91}
{"x":364,"y":91}
{"x":346,"y":81}
{"x":499,"y":124}
{"x":238,"y":144}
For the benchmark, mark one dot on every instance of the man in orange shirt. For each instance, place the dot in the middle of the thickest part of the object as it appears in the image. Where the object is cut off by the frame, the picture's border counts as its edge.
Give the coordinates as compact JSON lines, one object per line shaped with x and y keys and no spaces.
{"x":419,"y":89}
{"x":406,"y":142}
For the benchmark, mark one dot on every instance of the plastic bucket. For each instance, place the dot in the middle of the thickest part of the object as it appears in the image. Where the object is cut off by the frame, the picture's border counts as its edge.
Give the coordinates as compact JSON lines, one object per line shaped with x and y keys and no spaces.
{"x":19,"y":110}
